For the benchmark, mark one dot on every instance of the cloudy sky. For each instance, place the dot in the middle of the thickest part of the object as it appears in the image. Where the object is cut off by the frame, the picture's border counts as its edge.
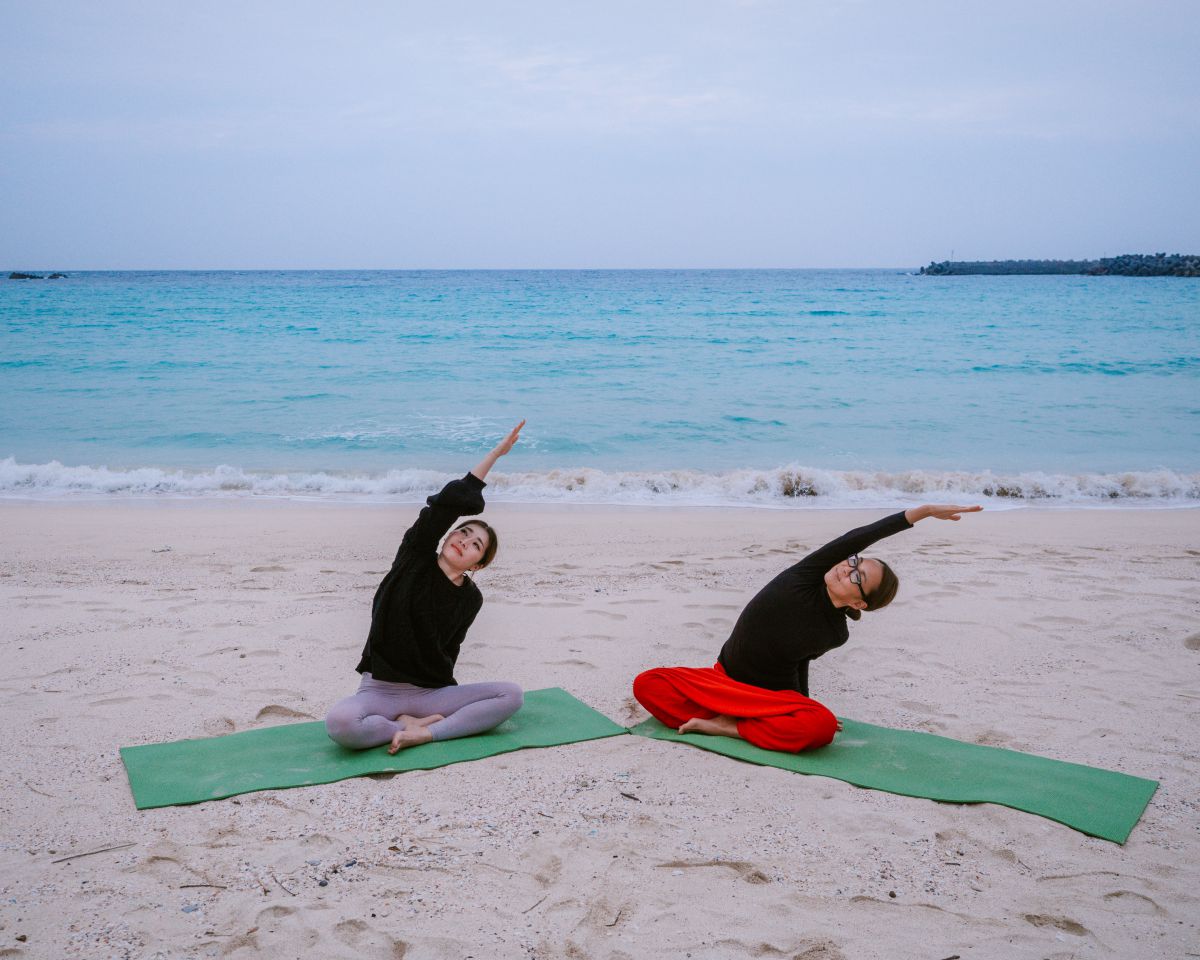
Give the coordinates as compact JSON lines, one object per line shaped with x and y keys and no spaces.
{"x":695,"y":133}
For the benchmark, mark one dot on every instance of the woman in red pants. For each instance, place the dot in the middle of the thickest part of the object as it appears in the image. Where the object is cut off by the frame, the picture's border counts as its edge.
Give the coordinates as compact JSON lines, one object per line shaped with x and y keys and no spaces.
{"x":758,"y":688}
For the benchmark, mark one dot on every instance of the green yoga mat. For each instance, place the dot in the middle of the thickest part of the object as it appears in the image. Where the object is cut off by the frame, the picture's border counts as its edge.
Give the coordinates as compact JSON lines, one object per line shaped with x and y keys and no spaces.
{"x":299,"y":754}
{"x":1100,"y":803}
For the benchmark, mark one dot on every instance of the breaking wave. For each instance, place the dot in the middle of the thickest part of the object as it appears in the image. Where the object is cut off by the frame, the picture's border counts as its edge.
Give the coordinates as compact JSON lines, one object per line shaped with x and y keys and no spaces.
{"x":789,"y":486}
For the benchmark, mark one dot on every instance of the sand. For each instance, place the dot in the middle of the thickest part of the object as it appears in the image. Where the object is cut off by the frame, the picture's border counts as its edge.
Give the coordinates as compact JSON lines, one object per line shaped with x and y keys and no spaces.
{"x":1075,"y":634}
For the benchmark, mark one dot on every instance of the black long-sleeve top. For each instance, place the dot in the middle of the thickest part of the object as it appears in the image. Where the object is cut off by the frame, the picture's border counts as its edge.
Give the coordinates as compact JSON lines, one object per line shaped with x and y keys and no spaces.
{"x":792,"y":620}
{"x":419,"y":617}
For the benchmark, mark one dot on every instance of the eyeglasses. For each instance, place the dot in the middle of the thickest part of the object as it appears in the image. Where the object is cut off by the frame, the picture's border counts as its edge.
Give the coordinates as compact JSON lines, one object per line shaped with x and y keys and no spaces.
{"x":856,"y":576}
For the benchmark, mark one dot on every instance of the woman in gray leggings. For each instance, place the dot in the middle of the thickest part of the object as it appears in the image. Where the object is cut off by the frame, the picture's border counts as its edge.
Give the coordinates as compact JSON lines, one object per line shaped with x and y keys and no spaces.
{"x":419,"y":617}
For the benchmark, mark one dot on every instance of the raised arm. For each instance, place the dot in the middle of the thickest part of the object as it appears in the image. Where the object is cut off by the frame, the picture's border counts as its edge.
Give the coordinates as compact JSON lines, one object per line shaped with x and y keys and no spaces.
{"x":458,"y":498}
{"x":499,"y":450}
{"x":938,"y":511}
{"x":819,"y":561}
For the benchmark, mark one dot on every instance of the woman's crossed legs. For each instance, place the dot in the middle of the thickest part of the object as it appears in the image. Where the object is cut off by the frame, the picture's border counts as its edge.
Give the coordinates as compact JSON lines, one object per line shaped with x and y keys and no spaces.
{"x":382,"y":712}
{"x":707,"y":700}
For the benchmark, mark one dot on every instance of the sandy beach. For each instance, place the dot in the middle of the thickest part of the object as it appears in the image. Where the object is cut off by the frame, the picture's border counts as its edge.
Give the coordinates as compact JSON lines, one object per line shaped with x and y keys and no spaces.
{"x":1074,"y":634}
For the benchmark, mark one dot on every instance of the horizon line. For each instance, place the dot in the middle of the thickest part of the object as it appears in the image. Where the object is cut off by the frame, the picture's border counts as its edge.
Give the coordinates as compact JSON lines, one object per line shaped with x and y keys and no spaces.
{"x":61,"y":269}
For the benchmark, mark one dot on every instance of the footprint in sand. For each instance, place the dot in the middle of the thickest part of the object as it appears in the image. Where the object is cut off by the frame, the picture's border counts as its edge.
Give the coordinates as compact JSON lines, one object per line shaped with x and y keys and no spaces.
{"x":571,"y":663}
{"x":365,"y":940}
{"x":271,"y":569}
{"x":945,"y":593}
{"x":1192,"y":642}
{"x":1129,"y":902}
{"x":549,"y":871}
{"x":746,"y":871}
{"x":817,"y":950}
{"x":633,"y":710}
{"x":601,"y":916}
{"x":1058,"y":923}
{"x":607,"y":614}
{"x":276,"y":710}
{"x":917,"y":706}
{"x":165,"y":869}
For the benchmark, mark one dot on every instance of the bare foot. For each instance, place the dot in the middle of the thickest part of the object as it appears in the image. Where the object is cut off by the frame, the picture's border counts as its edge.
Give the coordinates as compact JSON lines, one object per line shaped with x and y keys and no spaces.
{"x":410,"y":737}
{"x":409,"y":721}
{"x":720,"y":726}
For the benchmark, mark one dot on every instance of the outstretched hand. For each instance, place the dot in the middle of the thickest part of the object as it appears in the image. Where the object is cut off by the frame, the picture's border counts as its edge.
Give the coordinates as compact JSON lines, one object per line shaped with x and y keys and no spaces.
{"x":498,"y":451}
{"x":507,"y":443}
{"x":939,"y":511}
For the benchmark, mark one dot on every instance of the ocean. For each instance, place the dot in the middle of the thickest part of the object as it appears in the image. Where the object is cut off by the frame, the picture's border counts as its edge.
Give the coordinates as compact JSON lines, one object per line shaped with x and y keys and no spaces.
{"x":807,"y":388}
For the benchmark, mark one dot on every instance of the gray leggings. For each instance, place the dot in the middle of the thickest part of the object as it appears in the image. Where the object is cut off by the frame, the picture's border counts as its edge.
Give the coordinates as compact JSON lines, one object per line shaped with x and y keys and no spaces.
{"x":368,"y":719}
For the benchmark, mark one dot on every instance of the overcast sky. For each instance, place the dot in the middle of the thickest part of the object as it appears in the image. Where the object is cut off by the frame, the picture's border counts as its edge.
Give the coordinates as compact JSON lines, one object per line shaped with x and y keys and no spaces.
{"x":695,"y":133}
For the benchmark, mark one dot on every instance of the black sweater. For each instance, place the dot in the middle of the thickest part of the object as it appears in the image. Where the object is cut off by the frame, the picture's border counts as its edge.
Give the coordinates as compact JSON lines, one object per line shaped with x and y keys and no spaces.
{"x":419,"y":617}
{"x":792,"y":620}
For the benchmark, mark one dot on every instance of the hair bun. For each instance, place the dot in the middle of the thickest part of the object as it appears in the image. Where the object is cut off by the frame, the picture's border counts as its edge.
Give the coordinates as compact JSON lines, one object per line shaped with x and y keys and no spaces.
{"x":852,"y":613}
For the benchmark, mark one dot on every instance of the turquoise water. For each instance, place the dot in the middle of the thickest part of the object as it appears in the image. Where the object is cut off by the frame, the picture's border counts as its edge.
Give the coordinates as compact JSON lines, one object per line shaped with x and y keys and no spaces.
{"x":673,"y":386}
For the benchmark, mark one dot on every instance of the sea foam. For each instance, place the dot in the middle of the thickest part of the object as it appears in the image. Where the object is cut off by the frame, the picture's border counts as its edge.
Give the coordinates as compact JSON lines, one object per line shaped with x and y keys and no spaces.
{"x":788,"y":486}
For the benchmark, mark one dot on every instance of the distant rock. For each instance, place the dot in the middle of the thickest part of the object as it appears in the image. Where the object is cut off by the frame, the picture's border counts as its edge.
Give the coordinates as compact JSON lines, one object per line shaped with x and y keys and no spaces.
{"x":949,"y":268}
{"x":17,"y":275}
{"x":1147,"y":265}
{"x":1126,"y":265}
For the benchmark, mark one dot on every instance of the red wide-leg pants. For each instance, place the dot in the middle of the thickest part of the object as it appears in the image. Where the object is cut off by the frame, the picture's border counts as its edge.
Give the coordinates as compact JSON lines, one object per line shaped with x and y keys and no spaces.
{"x":772,"y":719}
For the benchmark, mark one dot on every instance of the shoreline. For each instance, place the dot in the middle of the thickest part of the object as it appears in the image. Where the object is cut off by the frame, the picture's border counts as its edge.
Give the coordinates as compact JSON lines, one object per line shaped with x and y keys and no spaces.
{"x":788,"y":488}
{"x":800,"y":508}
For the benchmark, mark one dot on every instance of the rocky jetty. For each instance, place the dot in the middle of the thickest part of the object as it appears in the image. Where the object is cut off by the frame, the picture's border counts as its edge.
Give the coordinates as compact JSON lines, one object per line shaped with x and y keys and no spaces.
{"x":18,"y":275}
{"x":1149,"y":265}
{"x":950,"y":268}
{"x":1126,"y":265}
